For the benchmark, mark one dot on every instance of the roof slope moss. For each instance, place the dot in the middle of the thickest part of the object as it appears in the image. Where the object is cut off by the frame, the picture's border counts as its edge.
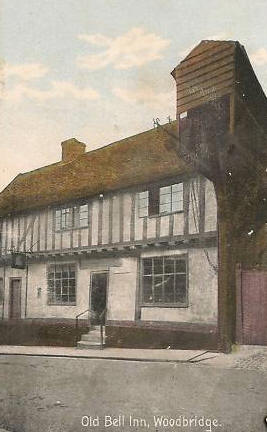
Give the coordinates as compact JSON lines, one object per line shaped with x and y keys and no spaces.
{"x":140,"y":159}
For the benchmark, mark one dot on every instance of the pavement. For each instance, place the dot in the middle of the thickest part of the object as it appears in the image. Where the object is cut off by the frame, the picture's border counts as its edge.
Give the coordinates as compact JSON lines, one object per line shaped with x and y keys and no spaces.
{"x":249,"y":357}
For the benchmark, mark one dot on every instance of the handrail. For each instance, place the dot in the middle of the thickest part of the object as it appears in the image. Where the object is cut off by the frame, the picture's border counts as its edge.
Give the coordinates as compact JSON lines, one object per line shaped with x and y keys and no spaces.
{"x":101,"y":316}
{"x":93,"y":314}
{"x":77,"y":321}
{"x":87,"y":310}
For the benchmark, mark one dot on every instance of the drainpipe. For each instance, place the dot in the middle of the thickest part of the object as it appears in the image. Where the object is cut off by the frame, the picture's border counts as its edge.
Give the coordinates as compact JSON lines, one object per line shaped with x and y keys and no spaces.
{"x":26,"y":286}
{"x":4,"y":291}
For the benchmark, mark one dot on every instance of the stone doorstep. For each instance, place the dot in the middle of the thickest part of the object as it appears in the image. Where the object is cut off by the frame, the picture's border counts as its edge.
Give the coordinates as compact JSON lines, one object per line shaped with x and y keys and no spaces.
{"x":91,"y":345}
{"x":93,"y":337}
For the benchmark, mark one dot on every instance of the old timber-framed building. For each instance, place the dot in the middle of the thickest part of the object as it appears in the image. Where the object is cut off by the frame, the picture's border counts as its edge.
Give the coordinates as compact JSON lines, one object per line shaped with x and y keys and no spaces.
{"x":129,"y":218}
{"x":131,"y":228}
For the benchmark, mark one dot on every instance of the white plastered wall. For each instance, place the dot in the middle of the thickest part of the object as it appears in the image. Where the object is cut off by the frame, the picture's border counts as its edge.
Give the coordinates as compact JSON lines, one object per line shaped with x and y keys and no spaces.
{"x":122,"y":288}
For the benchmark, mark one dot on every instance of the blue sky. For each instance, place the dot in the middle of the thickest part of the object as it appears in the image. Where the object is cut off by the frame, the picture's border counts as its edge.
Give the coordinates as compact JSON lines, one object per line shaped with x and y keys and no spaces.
{"x":99,"y":70}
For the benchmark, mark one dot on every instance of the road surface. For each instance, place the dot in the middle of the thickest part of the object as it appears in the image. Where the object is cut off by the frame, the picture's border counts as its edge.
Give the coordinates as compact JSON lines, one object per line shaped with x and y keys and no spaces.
{"x":44,"y":394}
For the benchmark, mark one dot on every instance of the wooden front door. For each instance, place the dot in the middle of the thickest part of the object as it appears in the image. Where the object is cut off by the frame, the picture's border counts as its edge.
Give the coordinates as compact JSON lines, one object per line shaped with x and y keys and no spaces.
{"x":98,"y":297}
{"x":253,"y":311}
{"x":15,"y":299}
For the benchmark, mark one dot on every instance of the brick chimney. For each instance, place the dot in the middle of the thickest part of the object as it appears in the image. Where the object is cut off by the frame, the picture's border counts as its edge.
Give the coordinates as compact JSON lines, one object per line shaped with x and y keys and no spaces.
{"x":71,"y":149}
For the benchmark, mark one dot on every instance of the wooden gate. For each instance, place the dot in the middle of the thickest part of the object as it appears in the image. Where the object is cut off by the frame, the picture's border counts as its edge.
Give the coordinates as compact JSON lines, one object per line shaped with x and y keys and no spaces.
{"x":251,"y":307}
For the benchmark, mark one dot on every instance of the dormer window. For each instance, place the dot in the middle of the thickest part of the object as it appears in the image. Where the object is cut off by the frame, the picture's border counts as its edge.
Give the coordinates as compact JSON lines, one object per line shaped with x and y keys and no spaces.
{"x":71,"y":217}
{"x":161,"y":200}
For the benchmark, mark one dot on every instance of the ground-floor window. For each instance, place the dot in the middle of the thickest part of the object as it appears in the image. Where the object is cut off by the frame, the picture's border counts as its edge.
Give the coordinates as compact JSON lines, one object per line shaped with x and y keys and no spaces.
{"x":62,"y":284}
{"x":164,"y":281}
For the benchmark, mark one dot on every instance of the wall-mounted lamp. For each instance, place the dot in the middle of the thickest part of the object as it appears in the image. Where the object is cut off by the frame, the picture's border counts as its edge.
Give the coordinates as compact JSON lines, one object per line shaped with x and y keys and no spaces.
{"x":39,"y":292}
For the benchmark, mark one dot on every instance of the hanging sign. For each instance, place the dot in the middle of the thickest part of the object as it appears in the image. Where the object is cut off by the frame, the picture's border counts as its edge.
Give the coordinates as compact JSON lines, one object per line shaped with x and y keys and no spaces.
{"x":18,"y":260}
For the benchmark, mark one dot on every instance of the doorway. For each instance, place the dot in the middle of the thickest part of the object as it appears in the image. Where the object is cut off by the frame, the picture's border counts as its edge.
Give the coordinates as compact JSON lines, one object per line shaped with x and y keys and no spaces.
{"x":98,"y":295}
{"x":15,"y":299}
{"x":252,"y":307}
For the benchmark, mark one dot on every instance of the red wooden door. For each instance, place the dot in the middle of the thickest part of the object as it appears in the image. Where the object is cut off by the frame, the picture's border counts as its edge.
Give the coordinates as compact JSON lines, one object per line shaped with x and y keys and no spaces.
{"x":15,"y":299}
{"x":254,"y":307}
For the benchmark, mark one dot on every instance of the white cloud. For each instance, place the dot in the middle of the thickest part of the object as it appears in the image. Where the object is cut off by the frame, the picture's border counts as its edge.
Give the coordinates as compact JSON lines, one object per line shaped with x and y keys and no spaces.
{"x":59,"y":89}
{"x":132,"y":49}
{"x":146,"y":96}
{"x":25,"y":72}
{"x":259,"y":57}
{"x":218,"y":36}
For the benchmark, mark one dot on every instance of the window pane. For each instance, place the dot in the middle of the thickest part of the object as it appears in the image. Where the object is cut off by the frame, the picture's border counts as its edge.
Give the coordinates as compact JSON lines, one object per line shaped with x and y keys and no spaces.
{"x":143,"y":212}
{"x":169,"y":289}
{"x":67,"y":218}
{"x":58,"y":220}
{"x":177,"y":187}
{"x":84,"y":208}
{"x":143,"y":204}
{"x":51,"y":283}
{"x":83,"y":215}
{"x":165,"y":199}
{"x":177,"y":206}
{"x":147,"y":266}
{"x":147,"y":290}
{"x":72,"y":291}
{"x":143,"y":195}
{"x":177,"y":196}
{"x":180,"y":288}
{"x":72,"y":282}
{"x":65,"y":283}
{"x":165,"y":190}
{"x":83,"y":222}
{"x":180,"y":266}
{"x":165,"y":208}
{"x":58,"y":293}
{"x":158,"y":289}
{"x":169,"y":265}
{"x":65,"y":290}
{"x":158,"y":266}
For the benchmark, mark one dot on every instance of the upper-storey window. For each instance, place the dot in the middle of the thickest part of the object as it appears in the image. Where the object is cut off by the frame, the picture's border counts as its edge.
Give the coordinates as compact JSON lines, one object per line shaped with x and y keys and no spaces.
{"x":161,"y":200}
{"x":72,"y":217}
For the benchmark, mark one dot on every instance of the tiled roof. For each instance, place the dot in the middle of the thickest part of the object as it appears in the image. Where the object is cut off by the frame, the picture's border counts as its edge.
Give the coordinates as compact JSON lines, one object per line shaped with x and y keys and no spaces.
{"x":140,"y":159}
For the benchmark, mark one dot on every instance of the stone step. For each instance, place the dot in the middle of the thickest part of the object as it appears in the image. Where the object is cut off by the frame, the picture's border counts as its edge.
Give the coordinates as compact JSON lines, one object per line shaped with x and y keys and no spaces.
{"x":89,"y":345}
{"x":91,"y":336}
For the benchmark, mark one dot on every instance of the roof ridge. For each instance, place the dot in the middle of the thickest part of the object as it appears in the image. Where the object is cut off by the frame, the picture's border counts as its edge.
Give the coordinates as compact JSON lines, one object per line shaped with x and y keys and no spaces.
{"x":84,"y":154}
{"x":126,"y":138}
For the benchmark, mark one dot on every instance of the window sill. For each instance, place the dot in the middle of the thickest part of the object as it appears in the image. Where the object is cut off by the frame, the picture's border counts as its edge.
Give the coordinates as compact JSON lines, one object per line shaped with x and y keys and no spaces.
{"x":161,"y":214}
{"x":165,"y":305}
{"x":61,"y":304}
{"x":70,"y":229}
